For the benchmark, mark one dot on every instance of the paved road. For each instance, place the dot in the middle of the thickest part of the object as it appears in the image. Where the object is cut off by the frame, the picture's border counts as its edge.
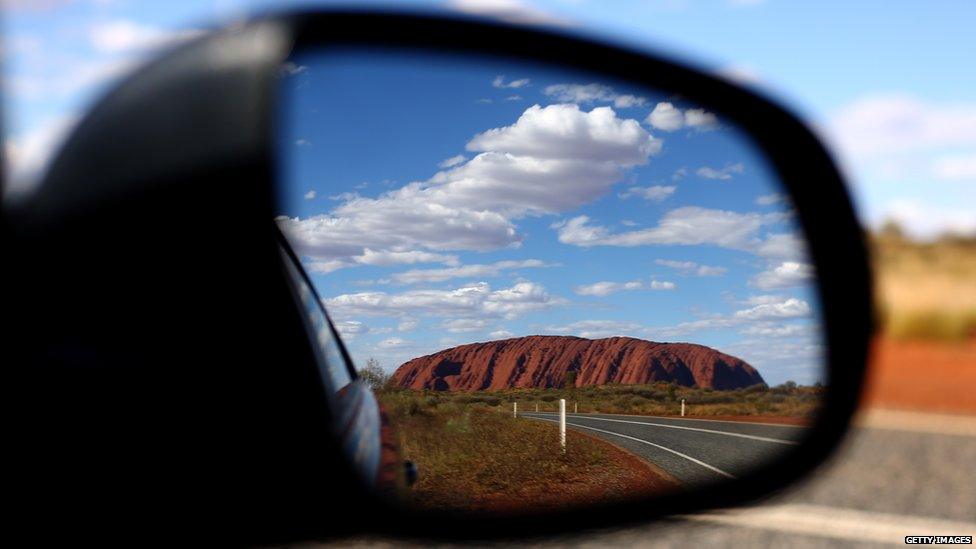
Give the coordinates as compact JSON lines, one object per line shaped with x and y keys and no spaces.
{"x":894,"y":473}
{"x":693,"y":451}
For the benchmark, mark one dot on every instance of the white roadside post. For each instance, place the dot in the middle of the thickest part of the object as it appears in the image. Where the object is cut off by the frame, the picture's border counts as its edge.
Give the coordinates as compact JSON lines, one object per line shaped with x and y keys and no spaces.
{"x":515,"y":409}
{"x":682,"y":407}
{"x":576,"y":407}
{"x":562,"y":424}
{"x":536,"y":406}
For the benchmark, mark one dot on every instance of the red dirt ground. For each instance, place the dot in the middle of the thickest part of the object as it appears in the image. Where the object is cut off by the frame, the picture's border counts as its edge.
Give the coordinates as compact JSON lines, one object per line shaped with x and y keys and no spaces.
{"x":922,"y":376}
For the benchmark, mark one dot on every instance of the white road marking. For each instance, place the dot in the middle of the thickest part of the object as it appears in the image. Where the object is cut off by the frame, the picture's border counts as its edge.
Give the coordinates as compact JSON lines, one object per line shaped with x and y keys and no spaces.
{"x":676,"y":418}
{"x":726,"y":433}
{"x":917,"y":422}
{"x":831,"y":522}
{"x":666,"y":449}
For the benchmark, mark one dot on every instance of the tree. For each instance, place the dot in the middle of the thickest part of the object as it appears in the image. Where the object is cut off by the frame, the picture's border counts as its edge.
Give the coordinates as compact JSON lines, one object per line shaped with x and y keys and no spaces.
{"x":570,"y":379}
{"x":373,"y":375}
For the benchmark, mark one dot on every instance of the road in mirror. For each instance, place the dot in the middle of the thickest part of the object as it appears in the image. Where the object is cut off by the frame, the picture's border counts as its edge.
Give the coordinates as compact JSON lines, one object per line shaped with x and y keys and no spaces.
{"x":498,"y":241}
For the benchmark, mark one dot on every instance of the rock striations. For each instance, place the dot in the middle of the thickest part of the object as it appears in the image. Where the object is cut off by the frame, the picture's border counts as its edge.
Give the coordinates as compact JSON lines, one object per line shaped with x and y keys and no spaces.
{"x":543,"y":361}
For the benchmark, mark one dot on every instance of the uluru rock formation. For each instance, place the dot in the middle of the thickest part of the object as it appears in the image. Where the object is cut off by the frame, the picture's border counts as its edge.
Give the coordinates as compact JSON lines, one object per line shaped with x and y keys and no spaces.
{"x":543,"y":361}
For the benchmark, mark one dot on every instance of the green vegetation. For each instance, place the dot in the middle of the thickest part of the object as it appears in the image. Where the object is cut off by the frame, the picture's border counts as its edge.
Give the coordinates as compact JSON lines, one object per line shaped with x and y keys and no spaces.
{"x":925,"y":290}
{"x":787,"y":400}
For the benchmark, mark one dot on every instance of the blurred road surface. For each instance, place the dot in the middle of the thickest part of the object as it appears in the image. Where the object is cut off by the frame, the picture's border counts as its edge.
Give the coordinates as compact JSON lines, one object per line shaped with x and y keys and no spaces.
{"x":897,"y":474}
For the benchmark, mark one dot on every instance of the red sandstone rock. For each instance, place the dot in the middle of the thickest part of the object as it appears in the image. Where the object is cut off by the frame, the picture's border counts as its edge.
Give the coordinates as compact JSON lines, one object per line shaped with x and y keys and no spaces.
{"x":542,"y":361}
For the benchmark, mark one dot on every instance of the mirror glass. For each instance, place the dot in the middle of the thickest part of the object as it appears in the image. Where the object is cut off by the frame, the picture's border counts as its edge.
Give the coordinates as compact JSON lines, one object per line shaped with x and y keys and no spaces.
{"x":503,"y":246}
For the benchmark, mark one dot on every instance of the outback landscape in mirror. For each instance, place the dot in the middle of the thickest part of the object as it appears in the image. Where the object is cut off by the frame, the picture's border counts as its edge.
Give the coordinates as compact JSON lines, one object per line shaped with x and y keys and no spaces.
{"x":498,"y":243}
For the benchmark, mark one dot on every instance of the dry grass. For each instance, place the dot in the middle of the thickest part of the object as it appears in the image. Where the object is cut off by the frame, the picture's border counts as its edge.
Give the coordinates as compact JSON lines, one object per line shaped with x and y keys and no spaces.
{"x":925,"y":290}
{"x":473,"y":456}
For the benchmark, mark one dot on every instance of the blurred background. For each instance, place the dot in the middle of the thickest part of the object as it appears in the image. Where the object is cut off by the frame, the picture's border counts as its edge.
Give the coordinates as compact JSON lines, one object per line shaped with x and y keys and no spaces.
{"x":888,"y":84}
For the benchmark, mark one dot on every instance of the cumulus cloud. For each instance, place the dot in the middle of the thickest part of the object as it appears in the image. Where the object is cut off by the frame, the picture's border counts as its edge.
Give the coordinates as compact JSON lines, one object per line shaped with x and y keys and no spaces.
{"x":784,"y":275}
{"x":662,"y":285}
{"x":391,"y":343}
{"x":463,"y":325}
{"x":592,"y":93}
{"x":499,"y":82}
{"x":666,"y":117}
{"x":690,"y":225}
{"x":564,"y":132}
{"x":654,"y":193}
{"x":770,"y":199}
{"x":552,"y":159}
{"x":309,"y":195}
{"x":452,"y":161}
{"x":601,"y":289}
{"x":596,"y":329}
{"x":724,"y":173}
{"x":691,"y":268}
{"x":501,"y":334}
{"x":790,"y":308}
{"x":466,"y":271}
{"x":775,"y":309}
{"x":473,"y":300}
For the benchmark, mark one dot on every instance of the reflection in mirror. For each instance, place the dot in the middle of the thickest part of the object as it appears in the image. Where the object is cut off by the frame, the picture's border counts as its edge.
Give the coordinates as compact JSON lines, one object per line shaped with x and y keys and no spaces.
{"x":504,"y":247}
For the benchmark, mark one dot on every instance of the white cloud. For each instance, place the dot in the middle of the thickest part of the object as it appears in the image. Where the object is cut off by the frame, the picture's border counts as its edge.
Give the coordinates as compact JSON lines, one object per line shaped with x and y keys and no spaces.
{"x":883,"y":125}
{"x":770,"y":199}
{"x":699,"y":118}
{"x":552,"y":159}
{"x":309,"y":195}
{"x":501,"y":334}
{"x":691,"y":268}
{"x":407,"y":324}
{"x":690,"y":225}
{"x":770,"y":308}
{"x":566,"y":132}
{"x":499,"y":82}
{"x":605,"y":288}
{"x":956,"y":168}
{"x":349,"y":329}
{"x":592,"y":93}
{"x":452,"y":161}
{"x":466,"y":271}
{"x":723,"y":173}
{"x":124,"y":36}
{"x":790,"y":308}
{"x":654,"y":193}
{"x":785,"y":275}
{"x":290,"y":68}
{"x":510,"y":11}
{"x":769,"y":329}
{"x":662,"y":285}
{"x":596,"y":329}
{"x":463,"y":325}
{"x":391,"y":343}
{"x":473,"y":300}
{"x":666,"y":117}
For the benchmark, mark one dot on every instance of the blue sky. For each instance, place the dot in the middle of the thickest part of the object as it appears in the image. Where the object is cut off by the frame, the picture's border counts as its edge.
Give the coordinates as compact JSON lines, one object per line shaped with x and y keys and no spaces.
{"x":494,"y":200}
{"x":887,"y":83}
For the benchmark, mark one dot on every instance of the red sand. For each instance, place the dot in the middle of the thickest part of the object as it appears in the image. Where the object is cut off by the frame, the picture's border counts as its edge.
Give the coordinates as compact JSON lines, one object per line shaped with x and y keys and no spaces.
{"x":922,"y":376}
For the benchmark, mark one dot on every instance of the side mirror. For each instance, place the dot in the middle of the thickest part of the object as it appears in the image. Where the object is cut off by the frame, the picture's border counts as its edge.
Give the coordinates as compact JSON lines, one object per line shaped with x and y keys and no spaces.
{"x":701,"y":262}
